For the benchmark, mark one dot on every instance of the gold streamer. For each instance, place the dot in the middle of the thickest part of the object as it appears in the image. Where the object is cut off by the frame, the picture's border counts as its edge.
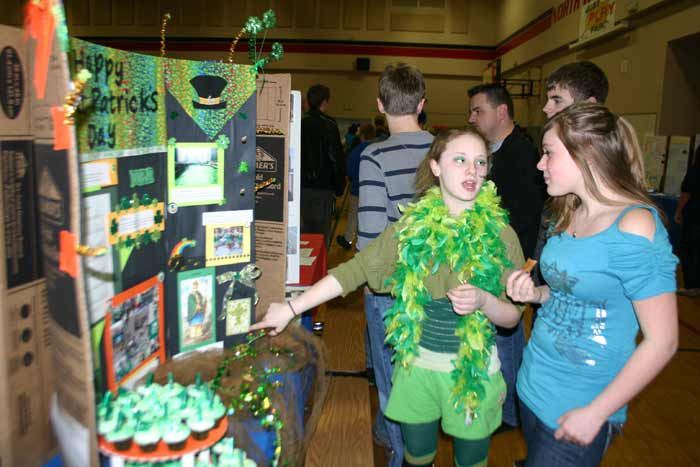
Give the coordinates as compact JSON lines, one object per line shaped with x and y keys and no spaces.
{"x":268,"y":182}
{"x":70,"y":106}
{"x":232,"y":50}
{"x":166,"y":18}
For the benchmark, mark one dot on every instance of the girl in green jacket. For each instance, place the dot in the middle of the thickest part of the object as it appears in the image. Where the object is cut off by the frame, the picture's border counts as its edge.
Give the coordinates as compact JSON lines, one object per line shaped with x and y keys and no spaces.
{"x":445,"y":262}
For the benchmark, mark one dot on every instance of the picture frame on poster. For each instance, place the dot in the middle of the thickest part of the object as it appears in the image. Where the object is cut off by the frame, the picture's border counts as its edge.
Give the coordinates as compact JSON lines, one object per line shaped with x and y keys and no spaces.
{"x":196,"y":308}
{"x":134,"y":332}
{"x":195,"y":173}
{"x":227,"y":243}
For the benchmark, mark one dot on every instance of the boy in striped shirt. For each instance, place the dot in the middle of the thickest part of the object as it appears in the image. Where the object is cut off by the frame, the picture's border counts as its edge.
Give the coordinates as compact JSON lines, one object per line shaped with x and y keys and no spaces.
{"x":387,"y":176}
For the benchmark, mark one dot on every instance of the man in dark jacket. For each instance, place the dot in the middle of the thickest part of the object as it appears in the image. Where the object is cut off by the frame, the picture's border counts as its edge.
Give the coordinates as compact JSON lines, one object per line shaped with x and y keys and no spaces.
{"x":522,"y":191}
{"x":322,"y":174}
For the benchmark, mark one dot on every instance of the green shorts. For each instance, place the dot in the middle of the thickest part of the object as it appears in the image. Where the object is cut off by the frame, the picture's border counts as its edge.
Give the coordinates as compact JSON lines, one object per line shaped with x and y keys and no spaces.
{"x":419,"y":395}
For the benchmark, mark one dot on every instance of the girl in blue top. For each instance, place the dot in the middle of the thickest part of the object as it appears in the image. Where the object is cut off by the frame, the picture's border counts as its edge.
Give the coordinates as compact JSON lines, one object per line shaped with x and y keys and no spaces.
{"x":609,"y":271}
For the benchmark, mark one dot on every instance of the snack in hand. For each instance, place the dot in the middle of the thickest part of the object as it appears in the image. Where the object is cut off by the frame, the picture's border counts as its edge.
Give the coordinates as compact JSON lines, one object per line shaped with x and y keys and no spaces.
{"x":529,"y":265}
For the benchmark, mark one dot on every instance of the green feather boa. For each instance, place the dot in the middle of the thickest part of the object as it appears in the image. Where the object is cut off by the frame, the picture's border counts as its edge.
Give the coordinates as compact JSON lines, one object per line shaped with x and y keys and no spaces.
{"x":470,"y":245}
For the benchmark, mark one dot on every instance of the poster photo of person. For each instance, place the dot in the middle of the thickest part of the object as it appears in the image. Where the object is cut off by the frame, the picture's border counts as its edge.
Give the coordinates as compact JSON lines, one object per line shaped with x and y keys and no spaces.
{"x":196,"y":308}
{"x":195,"y":173}
{"x":135,"y":333}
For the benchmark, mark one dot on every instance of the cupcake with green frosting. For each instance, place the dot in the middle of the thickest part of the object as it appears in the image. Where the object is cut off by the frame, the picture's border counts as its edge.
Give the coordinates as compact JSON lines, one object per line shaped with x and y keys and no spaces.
{"x":147,"y":436}
{"x":123,"y":434}
{"x":175,"y":405}
{"x":106,"y":405}
{"x":126,"y":400}
{"x":232,"y":458}
{"x":107,"y":421}
{"x":198,"y":389}
{"x":225,"y":445}
{"x":200,"y":425}
{"x":214,"y":409}
{"x":171,"y":388}
{"x":175,"y":434}
{"x":150,"y":389}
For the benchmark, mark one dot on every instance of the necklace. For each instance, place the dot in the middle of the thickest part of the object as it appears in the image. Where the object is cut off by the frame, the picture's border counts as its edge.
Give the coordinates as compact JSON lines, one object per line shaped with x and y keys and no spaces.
{"x":470,"y":245}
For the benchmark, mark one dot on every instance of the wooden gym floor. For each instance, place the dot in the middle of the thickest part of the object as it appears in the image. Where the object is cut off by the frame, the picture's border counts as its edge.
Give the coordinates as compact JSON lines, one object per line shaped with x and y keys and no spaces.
{"x":662,"y":429}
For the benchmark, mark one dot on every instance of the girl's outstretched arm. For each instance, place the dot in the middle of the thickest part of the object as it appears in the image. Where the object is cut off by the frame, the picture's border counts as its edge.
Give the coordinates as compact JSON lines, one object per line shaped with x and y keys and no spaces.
{"x":279,"y":315}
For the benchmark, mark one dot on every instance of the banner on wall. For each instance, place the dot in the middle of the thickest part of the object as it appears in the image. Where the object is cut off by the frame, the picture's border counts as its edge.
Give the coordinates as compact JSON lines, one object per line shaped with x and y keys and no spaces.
{"x":597,"y":17}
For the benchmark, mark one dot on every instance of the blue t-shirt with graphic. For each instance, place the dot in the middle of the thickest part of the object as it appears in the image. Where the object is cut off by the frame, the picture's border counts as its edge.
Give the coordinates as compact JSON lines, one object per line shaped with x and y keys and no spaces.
{"x":585,"y":333}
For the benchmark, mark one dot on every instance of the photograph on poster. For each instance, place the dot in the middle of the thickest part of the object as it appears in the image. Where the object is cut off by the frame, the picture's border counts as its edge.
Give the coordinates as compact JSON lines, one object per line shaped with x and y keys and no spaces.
{"x":237,"y":316}
{"x":196,"y":308}
{"x":135,"y":330}
{"x":227,"y":244}
{"x":195,"y":173}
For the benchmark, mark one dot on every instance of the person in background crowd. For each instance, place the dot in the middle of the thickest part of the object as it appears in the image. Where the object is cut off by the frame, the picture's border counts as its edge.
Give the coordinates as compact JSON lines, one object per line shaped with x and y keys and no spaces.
{"x":387,"y":176}
{"x":380,"y":127}
{"x":522,"y":192}
{"x":575,"y":82}
{"x":352,"y":169}
{"x":322,"y":169}
{"x":688,"y":216}
{"x":351,"y":139}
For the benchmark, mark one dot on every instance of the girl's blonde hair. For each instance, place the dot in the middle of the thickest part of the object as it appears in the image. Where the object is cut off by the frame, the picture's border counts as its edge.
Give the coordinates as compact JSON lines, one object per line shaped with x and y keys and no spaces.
{"x":424,"y":175}
{"x":605,"y":148}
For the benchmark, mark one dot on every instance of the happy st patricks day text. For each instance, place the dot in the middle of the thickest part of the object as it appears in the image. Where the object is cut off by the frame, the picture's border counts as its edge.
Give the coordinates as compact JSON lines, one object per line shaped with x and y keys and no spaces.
{"x":117,"y":93}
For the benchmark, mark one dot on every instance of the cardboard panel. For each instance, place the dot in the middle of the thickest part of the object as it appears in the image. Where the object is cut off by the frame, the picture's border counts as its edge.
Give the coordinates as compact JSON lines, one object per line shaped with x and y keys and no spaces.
{"x":273,"y":106}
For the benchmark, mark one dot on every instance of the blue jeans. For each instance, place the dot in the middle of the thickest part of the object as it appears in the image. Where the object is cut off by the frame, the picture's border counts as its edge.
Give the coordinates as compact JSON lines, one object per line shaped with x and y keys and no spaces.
{"x":543,"y":450}
{"x":375,"y":308}
{"x":510,"y":344}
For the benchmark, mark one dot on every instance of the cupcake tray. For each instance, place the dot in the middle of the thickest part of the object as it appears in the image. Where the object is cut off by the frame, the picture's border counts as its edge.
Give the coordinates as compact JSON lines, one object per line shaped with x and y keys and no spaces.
{"x":162,"y":451}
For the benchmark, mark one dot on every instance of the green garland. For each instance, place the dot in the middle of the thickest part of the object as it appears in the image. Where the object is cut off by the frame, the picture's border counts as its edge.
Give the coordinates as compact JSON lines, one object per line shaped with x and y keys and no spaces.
{"x":470,"y":245}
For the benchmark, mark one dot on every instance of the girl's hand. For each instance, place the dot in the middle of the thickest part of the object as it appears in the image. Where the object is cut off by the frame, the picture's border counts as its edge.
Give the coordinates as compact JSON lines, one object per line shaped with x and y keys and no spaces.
{"x":579,"y":426}
{"x":466,"y":299}
{"x":278,"y":316}
{"x":521,"y":288}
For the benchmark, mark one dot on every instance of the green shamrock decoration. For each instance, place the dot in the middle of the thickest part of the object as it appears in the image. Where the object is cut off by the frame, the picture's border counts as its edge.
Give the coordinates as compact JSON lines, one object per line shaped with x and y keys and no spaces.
{"x":254,"y":26}
{"x":243,"y":167}
{"x":223,"y":141}
{"x":114,"y":227}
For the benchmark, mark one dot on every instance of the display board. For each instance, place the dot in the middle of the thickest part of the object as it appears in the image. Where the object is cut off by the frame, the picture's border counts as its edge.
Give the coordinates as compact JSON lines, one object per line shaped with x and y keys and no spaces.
{"x":271,"y":176}
{"x":145,"y":194}
{"x":26,"y":376}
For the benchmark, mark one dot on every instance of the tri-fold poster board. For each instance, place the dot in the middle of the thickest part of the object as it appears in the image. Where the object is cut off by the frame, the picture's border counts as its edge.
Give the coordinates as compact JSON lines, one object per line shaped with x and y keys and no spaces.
{"x":145,"y":170}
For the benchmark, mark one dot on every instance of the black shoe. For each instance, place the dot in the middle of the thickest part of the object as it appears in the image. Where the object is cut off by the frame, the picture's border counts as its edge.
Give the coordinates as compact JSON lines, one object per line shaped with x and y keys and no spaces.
{"x":519,"y":463}
{"x":344,"y":243}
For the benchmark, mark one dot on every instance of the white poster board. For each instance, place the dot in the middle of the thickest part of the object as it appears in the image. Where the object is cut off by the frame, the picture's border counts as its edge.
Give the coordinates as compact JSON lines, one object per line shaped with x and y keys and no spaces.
{"x":294,"y":192}
{"x":677,"y":164}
